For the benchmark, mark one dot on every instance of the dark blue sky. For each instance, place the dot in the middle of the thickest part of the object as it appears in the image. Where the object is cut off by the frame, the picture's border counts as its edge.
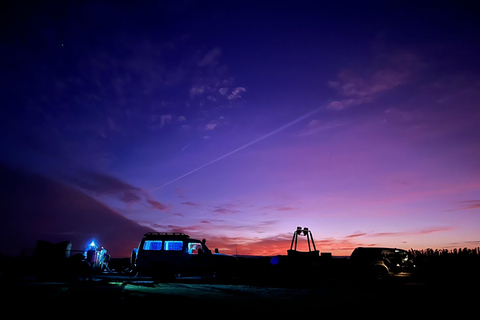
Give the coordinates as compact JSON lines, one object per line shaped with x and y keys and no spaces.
{"x":242,"y":120}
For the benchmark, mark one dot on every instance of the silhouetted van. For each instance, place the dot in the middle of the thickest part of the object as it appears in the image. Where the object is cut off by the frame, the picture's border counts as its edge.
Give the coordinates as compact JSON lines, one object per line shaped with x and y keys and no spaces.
{"x":381,"y":263}
{"x":163,"y":255}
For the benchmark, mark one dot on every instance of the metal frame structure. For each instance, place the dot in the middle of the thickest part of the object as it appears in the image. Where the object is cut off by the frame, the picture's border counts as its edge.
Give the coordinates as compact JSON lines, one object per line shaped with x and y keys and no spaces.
{"x":311,"y":254}
{"x":306,"y":233}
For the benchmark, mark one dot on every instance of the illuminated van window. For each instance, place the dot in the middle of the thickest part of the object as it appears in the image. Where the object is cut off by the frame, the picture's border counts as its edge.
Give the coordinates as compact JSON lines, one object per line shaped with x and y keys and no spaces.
{"x":152,"y":245}
{"x":173,"y":245}
{"x":194,"y":247}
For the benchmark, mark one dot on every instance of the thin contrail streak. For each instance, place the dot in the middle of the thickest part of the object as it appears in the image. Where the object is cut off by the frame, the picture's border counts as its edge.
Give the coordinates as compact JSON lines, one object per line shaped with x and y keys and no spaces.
{"x":185,"y":147}
{"x":271,"y":133}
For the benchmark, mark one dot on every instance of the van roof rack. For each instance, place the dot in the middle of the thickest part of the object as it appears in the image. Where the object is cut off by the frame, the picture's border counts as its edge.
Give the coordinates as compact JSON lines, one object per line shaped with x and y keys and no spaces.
{"x":178,"y":234}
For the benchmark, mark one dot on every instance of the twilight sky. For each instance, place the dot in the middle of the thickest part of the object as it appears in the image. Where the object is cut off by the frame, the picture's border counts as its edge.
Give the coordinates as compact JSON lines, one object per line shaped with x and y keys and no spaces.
{"x":239,"y":121}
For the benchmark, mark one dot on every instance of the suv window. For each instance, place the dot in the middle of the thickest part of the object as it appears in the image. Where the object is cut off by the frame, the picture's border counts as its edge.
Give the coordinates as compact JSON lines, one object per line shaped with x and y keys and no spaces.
{"x":152,"y":245}
{"x":173,"y":245}
{"x":194,"y":247}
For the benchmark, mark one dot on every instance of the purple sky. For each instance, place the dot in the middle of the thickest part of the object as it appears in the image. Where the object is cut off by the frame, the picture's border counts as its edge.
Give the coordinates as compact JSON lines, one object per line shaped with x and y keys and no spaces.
{"x":239,"y":121}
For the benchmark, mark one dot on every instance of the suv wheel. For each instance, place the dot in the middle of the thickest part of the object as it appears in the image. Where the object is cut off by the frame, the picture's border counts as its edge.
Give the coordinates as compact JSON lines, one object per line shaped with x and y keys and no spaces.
{"x":379,"y":273}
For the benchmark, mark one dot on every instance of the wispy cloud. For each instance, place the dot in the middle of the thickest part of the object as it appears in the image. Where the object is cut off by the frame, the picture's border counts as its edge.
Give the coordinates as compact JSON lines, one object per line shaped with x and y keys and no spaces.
{"x":214,"y":123}
{"x":210,"y":57}
{"x":227,"y":209}
{"x":211,"y":84}
{"x":155,"y":204}
{"x":279,"y":208}
{"x":100,"y":184}
{"x":211,"y":126}
{"x":42,"y":208}
{"x":470,"y":204}
{"x":356,"y":87}
{"x":236,"y":93}
{"x":472,"y":243}
{"x":190,"y":203}
{"x":467,"y":205}
{"x":419,"y":232}
{"x":315,"y":126}
{"x":356,"y":234}
{"x":265,"y":136}
{"x":158,"y":121}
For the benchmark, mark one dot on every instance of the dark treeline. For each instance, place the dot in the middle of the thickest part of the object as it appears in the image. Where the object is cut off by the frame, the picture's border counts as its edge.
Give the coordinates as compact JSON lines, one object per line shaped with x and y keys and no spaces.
{"x":448,"y":264}
{"x":445,"y":253}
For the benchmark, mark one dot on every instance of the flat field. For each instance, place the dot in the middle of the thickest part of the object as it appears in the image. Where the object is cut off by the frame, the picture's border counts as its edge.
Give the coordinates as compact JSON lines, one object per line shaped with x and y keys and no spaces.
{"x":117,"y":296}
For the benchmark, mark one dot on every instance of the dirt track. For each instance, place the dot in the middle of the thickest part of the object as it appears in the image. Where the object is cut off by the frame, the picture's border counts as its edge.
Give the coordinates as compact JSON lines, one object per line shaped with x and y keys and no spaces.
{"x":115,"y":296}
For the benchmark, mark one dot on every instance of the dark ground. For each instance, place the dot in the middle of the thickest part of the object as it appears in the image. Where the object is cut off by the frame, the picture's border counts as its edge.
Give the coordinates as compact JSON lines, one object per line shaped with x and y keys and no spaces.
{"x":115,"y":295}
{"x":447,"y":284}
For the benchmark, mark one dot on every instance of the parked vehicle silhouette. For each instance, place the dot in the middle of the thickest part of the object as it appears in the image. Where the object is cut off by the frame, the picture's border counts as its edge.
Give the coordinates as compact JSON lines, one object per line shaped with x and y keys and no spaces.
{"x":381,"y":263}
{"x":163,"y":255}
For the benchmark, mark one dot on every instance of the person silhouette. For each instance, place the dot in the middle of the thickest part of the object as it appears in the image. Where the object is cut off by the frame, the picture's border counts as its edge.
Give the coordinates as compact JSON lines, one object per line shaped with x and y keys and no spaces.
{"x":205,"y":248}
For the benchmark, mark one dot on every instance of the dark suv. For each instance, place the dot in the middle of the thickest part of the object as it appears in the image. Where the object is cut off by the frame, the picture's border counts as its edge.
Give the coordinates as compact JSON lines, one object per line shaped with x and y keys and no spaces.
{"x":164,"y":255}
{"x":380,"y":263}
